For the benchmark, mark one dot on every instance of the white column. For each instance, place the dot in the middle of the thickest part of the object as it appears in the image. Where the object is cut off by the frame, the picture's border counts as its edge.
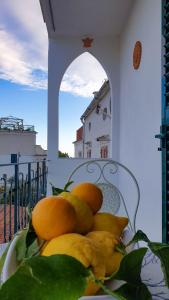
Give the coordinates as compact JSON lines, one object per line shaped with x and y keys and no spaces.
{"x":62,"y":52}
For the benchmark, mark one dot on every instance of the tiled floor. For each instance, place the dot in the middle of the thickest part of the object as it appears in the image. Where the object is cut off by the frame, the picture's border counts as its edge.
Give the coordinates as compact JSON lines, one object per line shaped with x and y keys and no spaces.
{"x":8,"y":217}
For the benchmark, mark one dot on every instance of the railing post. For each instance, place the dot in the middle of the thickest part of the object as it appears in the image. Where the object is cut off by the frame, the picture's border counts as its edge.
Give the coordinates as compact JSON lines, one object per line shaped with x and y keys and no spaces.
{"x":43,"y":176}
{"x":16,"y":198}
{"x":37,"y":182}
{"x":29,"y":185}
{"x":17,"y":195}
{"x":4,"y":178}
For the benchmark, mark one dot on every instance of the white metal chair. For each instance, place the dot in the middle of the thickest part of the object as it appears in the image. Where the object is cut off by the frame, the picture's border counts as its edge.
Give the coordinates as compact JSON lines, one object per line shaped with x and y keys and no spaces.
{"x":114,"y":179}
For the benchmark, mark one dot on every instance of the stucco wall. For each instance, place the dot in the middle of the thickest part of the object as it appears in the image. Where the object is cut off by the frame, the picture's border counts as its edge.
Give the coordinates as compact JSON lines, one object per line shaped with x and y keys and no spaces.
{"x":61,"y":54}
{"x":14,"y":142}
{"x":140,"y":110}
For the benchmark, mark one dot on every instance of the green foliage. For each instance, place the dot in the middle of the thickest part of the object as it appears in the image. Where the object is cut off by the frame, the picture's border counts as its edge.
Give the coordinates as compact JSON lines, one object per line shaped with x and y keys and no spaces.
{"x":159,"y":249}
{"x":63,"y":154}
{"x":56,"y":191}
{"x":131,"y":292}
{"x":130,"y":267}
{"x":62,"y":277}
{"x":3,"y":257}
{"x":58,"y":277}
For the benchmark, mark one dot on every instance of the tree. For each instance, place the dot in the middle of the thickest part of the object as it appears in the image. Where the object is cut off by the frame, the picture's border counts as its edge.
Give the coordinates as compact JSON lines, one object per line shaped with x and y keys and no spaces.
{"x":63,"y":154}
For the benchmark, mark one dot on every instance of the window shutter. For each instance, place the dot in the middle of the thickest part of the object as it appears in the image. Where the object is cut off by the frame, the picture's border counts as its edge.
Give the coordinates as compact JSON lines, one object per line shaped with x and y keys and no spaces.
{"x":164,"y":132}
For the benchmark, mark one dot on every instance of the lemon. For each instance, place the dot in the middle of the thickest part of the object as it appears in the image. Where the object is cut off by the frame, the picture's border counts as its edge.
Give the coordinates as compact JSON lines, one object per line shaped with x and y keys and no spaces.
{"x":84,"y":214}
{"x":83,"y":249}
{"x":113,"y":262}
{"x":107,"y":242}
{"x":110,"y":223}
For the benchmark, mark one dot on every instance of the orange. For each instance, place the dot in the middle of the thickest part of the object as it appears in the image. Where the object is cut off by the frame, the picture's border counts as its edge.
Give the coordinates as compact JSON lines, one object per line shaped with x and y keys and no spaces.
{"x":53,"y":216}
{"x":89,"y":193}
{"x":83,"y":212}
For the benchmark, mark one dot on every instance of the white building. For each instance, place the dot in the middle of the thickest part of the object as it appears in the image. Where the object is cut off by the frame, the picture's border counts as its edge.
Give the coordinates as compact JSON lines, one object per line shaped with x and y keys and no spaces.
{"x":18,"y":141}
{"x":94,"y":137}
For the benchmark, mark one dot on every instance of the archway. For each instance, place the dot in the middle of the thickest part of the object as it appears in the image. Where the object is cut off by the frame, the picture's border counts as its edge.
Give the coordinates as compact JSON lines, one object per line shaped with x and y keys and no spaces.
{"x":85,"y":110}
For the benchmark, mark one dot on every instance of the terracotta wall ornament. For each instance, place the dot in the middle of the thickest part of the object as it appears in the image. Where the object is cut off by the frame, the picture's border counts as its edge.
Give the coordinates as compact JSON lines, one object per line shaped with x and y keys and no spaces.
{"x":137,"y":55}
{"x":87,"y":42}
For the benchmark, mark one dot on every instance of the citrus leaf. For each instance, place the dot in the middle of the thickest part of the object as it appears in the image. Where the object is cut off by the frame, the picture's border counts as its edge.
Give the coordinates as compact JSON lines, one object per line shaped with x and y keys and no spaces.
{"x":56,"y":191}
{"x":3,"y":257}
{"x":132,"y":292}
{"x":162,"y":252}
{"x":116,"y":295}
{"x":139,"y":236}
{"x":130,"y":267}
{"x":21,"y":245}
{"x":57,"y":277}
{"x":159,"y":249}
{"x":31,"y":235}
{"x":33,"y":250}
{"x":67,"y":185}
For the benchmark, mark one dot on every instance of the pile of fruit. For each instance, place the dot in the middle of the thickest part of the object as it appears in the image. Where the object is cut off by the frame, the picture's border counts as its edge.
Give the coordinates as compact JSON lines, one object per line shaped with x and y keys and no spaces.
{"x":71,"y":224}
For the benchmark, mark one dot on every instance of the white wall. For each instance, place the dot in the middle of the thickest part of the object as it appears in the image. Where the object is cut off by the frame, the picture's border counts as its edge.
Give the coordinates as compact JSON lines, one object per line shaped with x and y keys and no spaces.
{"x":78,"y":147}
{"x":138,"y":106}
{"x":62,"y":52}
{"x":140,"y":110}
{"x":14,"y":142}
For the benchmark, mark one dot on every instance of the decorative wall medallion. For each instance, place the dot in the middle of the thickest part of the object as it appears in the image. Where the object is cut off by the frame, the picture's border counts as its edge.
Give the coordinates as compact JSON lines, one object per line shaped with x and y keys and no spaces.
{"x":87,"y":42}
{"x":137,"y":55}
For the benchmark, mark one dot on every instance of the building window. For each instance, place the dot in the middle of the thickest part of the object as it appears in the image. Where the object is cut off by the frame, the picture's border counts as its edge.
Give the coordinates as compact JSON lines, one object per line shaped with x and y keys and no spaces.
{"x":104,"y":113}
{"x":104,"y":152}
{"x":80,"y":154}
{"x":89,"y":152}
{"x":90,"y":126}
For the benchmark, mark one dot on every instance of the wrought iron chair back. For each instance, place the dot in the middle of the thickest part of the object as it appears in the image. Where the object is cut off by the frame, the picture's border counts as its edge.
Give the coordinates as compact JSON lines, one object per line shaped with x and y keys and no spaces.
{"x":105,"y":173}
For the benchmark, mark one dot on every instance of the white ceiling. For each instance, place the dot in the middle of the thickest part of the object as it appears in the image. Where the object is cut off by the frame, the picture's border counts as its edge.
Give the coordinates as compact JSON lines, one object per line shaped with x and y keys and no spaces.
{"x":85,"y":17}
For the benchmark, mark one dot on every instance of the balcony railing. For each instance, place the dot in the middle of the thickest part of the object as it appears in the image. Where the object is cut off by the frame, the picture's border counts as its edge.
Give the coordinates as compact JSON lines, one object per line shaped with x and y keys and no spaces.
{"x":21,"y":186}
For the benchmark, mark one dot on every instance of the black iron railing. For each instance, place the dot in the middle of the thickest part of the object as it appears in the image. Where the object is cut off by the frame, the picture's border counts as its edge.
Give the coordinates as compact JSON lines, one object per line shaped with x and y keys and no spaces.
{"x":21,"y":186}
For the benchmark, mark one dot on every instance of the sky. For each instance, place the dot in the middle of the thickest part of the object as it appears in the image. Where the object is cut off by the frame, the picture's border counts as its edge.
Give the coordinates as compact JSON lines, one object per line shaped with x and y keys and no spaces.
{"x":24,"y":71}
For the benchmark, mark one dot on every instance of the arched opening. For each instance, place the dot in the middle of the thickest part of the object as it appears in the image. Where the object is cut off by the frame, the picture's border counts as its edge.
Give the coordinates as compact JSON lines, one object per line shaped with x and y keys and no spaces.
{"x":85,"y":110}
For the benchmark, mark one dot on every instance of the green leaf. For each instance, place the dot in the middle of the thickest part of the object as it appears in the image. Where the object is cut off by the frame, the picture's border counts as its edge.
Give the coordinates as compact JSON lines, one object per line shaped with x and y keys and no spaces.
{"x":121,"y":248}
{"x":107,"y":291}
{"x":159,"y":249}
{"x":130,"y":267}
{"x":31,"y":235}
{"x":26,"y":245}
{"x":57,"y":277}
{"x":32,"y":250}
{"x":132,"y":292}
{"x":139,"y":236}
{"x":3,"y":257}
{"x":67,"y":185}
{"x":20,"y":246}
{"x":162,"y":251}
{"x":56,"y":191}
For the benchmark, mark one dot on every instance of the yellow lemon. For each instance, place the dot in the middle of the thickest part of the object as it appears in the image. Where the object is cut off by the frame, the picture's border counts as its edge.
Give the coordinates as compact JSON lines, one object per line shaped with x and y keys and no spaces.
{"x":113,"y":262}
{"x":84,"y":250}
{"x":107,"y":243}
{"x":110,"y":223}
{"x":83,"y":213}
